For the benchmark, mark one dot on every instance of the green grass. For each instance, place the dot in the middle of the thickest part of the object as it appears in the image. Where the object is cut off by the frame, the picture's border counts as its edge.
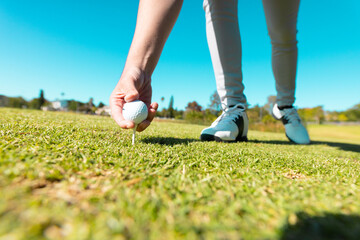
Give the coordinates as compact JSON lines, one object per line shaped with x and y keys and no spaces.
{"x":349,"y":134}
{"x":68,"y":176}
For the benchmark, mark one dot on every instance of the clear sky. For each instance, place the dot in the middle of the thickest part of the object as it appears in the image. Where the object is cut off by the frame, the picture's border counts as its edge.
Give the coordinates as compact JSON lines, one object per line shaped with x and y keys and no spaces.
{"x":80,"y":47}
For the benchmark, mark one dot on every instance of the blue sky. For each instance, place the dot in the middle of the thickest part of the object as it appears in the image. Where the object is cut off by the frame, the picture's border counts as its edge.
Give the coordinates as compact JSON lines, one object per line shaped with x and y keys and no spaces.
{"x":80,"y":47}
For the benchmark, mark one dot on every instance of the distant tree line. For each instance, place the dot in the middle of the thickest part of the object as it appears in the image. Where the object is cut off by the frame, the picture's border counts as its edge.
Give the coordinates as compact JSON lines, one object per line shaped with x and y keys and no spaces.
{"x":259,"y":116}
{"x":349,"y":115}
{"x":41,"y":102}
{"x":88,"y":107}
{"x":19,"y":102}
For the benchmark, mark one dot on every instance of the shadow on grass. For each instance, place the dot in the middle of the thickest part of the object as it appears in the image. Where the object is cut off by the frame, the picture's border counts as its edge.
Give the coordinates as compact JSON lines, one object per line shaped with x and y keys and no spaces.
{"x":170,"y":141}
{"x":342,"y":146}
{"x":327,"y":226}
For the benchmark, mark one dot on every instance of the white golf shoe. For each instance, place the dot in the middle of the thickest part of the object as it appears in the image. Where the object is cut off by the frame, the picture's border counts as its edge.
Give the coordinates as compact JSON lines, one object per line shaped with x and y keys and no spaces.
{"x":230,"y":126}
{"x":294,"y":129}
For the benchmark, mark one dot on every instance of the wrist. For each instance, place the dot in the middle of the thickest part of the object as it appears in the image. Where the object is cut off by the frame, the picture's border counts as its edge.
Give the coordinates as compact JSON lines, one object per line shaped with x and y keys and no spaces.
{"x":136,"y":73}
{"x":144,"y":57}
{"x":142,"y":65}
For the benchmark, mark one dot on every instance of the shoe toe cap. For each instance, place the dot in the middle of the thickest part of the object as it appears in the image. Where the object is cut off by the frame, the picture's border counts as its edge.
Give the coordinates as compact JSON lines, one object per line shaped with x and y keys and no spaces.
{"x":208,"y":131}
{"x":226,"y":135}
{"x":297,"y":134}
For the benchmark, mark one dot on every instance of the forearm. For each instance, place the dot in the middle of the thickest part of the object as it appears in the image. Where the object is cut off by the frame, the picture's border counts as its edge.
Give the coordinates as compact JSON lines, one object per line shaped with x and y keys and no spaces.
{"x":155,"y":20}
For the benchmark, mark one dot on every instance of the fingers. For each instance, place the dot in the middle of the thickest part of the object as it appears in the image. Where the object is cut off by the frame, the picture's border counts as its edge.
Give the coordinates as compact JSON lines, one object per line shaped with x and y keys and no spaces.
{"x":143,"y":125}
{"x":125,"y":124}
{"x":116,"y":105}
{"x":132,"y":86}
{"x":119,"y":119}
{"x":131,"y":96}
{"x":151,"y":114}
{"x":152,"y":111}
{"x":117,"y":102}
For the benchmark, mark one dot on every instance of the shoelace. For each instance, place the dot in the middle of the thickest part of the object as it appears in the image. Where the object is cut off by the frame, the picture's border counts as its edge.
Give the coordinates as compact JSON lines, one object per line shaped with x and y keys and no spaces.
{"x":230,"y":114}
{"x":291,"y":115}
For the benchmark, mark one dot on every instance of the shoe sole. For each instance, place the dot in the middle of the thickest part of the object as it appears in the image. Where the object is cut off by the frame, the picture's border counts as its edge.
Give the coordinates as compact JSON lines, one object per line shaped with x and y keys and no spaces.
{"x":208,"y":138}
{"x":241,"y":139}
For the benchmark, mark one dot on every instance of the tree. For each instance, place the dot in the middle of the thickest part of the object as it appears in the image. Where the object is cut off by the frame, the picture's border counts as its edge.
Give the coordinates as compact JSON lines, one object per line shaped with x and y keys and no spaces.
{"x":74,"y":105}
{"x":91,"y":103}
{"x":171,"y":107}
{"x":343,"y":118}
{"x":215,"y":103}
{"x":315,"y":114}
{"x":194,"y":116}
{"x":178,"y":114}
{"x":253,"y":114}
{"x":193,"y":106}
{"x":4,"y":101}
{"x":41,"y":99}
{"x":268,"y":119}
{"x":271,"y":100}
{"x":17,"y":102}
{"x":318,"y":114}
{"x":333,"y":116}
{"x":101,"y":104}
{"x":163,"y":113}
{"x":34,"y":103}
{"x":353,"y":114}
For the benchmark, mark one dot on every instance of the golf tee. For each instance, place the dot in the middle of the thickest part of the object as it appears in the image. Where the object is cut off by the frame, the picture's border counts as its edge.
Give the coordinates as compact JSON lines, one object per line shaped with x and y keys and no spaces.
{"x":133,"y":136}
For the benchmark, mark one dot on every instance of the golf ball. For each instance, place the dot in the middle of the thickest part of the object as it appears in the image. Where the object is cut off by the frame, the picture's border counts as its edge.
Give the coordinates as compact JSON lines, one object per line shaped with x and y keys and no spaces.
{"x":135,"y":111}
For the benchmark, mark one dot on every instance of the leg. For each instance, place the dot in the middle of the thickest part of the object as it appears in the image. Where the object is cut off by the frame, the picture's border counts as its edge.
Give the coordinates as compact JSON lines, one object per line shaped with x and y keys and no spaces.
{"x":222,"y":29}
{"x":223,"y":35}
{"x":281,"y":19}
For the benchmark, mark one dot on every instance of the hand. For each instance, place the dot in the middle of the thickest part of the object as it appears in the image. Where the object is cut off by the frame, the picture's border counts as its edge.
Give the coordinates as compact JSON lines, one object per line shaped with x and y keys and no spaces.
{"x":133,"y":85}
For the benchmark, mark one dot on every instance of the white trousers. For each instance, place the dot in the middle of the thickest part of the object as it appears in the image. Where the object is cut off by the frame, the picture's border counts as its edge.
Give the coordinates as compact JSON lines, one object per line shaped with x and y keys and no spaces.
{"x":223,"y":35}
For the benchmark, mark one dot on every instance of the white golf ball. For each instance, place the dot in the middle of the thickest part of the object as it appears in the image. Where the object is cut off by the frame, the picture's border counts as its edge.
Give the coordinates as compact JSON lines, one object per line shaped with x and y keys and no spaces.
{"x":135,"y":111}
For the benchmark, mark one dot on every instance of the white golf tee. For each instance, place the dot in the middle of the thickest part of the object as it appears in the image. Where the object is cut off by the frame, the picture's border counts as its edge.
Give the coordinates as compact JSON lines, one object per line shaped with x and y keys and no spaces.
{"x":133,"y":136}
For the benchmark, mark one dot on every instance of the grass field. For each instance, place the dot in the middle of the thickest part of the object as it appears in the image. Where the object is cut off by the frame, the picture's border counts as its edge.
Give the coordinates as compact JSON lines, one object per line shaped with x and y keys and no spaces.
{"x":68,"y":176}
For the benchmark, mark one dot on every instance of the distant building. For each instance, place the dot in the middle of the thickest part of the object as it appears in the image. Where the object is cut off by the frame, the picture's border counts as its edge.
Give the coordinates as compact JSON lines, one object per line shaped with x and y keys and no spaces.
{"x":47,"y":108}
{"x":58,"y":105}
{"x":104,"y":111}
